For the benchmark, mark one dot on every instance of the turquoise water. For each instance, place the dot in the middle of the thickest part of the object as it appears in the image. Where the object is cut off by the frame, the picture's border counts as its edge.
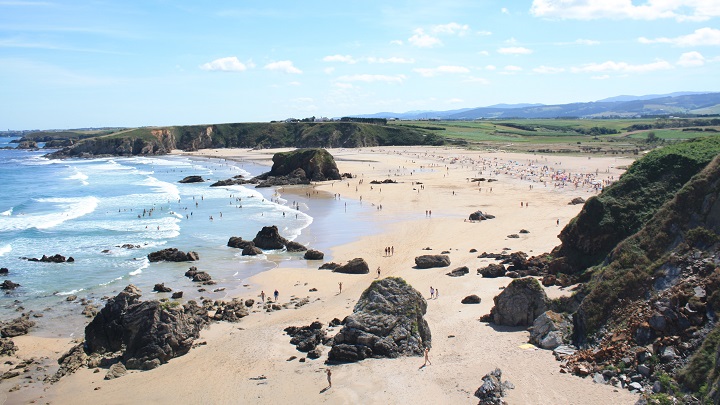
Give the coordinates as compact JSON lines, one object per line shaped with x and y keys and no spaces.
{"x":89,"y":208}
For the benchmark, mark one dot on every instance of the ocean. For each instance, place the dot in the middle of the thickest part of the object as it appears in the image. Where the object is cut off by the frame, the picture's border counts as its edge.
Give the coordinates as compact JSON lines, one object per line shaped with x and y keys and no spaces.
{"x":89,"y":208}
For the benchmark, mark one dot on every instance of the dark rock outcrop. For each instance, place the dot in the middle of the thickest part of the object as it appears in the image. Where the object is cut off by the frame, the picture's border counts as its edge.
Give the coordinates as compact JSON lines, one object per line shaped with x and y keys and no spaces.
{"x":150,"y":332}
{"x":306,"y":338}
{"x":9,"y":285}
{"x":576,"y":201}
{"x":294,"y":247}
{"x":492,"y":270}
{"x":269,"y":238}
{"x":177,"y":295}
{"x":192,"y":179}
{"x":201,"y":277}
{"x":172,"y":255}
{"x":492,"y":390}
{"x":354,"y":266}
{"x":57,"y":258}
{"x":4,"y":270}
{"x":471,"y":299}
{"x":300,"y":167}
{"x":387,"y":321}
{"x":459,"y":272}
{"x":429,"y":261}
{"x":234,"y":181}
{"x":117,"y":370}
{"x":70,"y":362}
{"x":7,"y":347}
{"x":519,"y":303}
{"x":16,"y":327}
{"x":161,"y":288}
{"x":313,"y":254}
{"x":238,"y":242}
{"x":329,"y":266}
{"x":231,"y":311}
{"x":27,"y":144}
{"x":480,"y":216}
{"x":251,"y":250}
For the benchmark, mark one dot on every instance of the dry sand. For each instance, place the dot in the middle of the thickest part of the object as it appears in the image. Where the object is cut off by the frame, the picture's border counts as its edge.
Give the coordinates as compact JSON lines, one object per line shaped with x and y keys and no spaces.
{"x":463,"y":349}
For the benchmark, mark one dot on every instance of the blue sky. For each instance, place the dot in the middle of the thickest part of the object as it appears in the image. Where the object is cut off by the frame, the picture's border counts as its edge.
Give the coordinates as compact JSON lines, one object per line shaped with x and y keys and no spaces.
{"x":68,"y":64}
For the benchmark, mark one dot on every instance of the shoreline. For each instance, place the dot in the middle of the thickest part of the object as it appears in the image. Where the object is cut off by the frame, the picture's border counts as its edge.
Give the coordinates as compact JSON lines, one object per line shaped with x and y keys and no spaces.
{"x":234,"y":353}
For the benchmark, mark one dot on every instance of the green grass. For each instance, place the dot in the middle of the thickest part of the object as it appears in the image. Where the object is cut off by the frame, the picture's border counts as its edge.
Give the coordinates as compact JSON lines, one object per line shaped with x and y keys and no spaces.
{"x":673,"y":134}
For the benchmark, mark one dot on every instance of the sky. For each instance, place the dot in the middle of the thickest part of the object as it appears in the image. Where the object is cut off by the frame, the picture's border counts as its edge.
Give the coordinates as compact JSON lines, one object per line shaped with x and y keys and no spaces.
{"x":76,"y":64}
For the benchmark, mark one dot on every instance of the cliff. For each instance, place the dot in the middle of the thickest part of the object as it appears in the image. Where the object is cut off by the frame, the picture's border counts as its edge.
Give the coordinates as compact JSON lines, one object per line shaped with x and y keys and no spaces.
{"x":649,"y":308}
{"x":157,"y":141}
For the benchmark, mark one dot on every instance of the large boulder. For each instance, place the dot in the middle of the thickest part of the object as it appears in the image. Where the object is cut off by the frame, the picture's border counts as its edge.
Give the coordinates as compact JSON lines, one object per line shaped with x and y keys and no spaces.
{"x":493,"y":389}
{"x":150,"y":333}
{"x":492,"y":270}
{"x":306,"y":338}
{"x":9,"y":285}
{"x":269,"y":238}
{"x":317,"y":165}
{"x":480,"y":216}
{"x":172,"y":255}
{"x":459,"y":272}
{"x":387,"y":321}
{"x":154,"y":333}
{"x":313,"y":254}
{"x":354,"y":266}
{"x":231,"y":311}
{"x":251,"y":250}
{"x":519,"y":304}
{"x":238,"y":242}
{"x":192,"y":179}
{"x":429,"y":261}
{"x":294,"y":246}
{"x":550,"y":330}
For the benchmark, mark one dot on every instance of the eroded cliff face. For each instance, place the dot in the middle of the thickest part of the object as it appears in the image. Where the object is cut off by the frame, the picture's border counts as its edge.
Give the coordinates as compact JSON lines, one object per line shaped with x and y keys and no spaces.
{"x":112,"y":147}
{"x":202,"y":140}
{"x":166,"y":138}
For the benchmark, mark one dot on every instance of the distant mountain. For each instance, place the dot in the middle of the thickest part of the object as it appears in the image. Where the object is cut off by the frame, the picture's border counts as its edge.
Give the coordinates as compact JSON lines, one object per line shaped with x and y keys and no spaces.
{"x":679,"y":103}
{"x":649,"y":96}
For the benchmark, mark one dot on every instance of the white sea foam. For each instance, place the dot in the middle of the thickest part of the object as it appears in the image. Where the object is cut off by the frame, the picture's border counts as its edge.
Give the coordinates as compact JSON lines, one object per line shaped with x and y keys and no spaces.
{"x":71,"y":292}
{"x":5,"y":250}
{"x":70,"y":208}
{"x":145,"y":265}
{"x":7,"y":213}
{"x":111,"y":281}
{"x":79,"y":176}
{"x":168,"y":190}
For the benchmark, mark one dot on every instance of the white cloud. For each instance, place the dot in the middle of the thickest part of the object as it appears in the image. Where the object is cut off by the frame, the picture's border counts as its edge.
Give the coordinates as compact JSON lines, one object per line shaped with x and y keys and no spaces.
{"x":430,"y":72}
{"x":511,"y":41}
{"x":484,"y":53}
{"x":473,"y":79}
{"x":367,"y":78}
{"x":511,"y":68}
{"x":294,"y":83}
{"x":339,"y":58}
{"x":455,"y":101}
{"x":601,"y":77}
{"x":283,"y":66}
{"x":451,"y":29}
{"x":681,"y":10}
{"x":586,"y":42}
{"x":702,"y":36}
{"x":396,"y":42}
{"x":329,"y":70}
{"x":691,"y":59}
{"x":392,"y":59}
{"x":622,"y":67}
{"x":342,"y":85}
{"x":490,"y":67}
{"x":423,"y":40}
{"x":545,"y":70}
{"x":229,"y":64}
{"x":504,"y":10}
{"x":515,"y":50}
{"x":484,"y":33}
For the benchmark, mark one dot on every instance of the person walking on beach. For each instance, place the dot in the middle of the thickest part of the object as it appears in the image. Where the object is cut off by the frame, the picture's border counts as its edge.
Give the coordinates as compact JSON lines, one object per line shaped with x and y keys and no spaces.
{"x":262,"y":296}
{"x":432,"y":292}
{"x":276,"y":294}
{"x":329,"y":377}
{"x":437,"y":293}
{"x":427,"y":357}
{"x":340,"y":285}
{"x":378,"y":270}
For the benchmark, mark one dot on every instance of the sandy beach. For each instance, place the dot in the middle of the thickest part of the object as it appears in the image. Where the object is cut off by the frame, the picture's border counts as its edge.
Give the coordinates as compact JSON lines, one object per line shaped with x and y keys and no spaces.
{"x":427,"y":207}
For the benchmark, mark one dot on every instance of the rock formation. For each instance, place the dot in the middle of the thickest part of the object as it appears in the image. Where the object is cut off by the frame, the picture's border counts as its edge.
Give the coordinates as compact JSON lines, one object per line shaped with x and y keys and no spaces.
{"x":9,"y":285}
{"x":306,"y":338}
{"x":493,"y":389}
{"x":192,"y":179}
{"x":429,"y":261}
{"x":268,"y":238}
{"x":480,"y":216}
{"x":16,"y":327}
{"x":354,"y":266}
{"x":550,"y":330}
{"x":519,"y":303}
{"x":173,"y":255}
{"x":149,"y":333}
{"x":471,"y":299}
{"x":239,"y":243}
{"x":313,"y":254}
{"x":387,"y":321}
{"x":300,"y":167}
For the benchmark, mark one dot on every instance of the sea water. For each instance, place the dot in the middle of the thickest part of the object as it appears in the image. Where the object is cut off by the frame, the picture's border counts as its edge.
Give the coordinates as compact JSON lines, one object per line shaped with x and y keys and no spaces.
{"x":88,"y":209}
